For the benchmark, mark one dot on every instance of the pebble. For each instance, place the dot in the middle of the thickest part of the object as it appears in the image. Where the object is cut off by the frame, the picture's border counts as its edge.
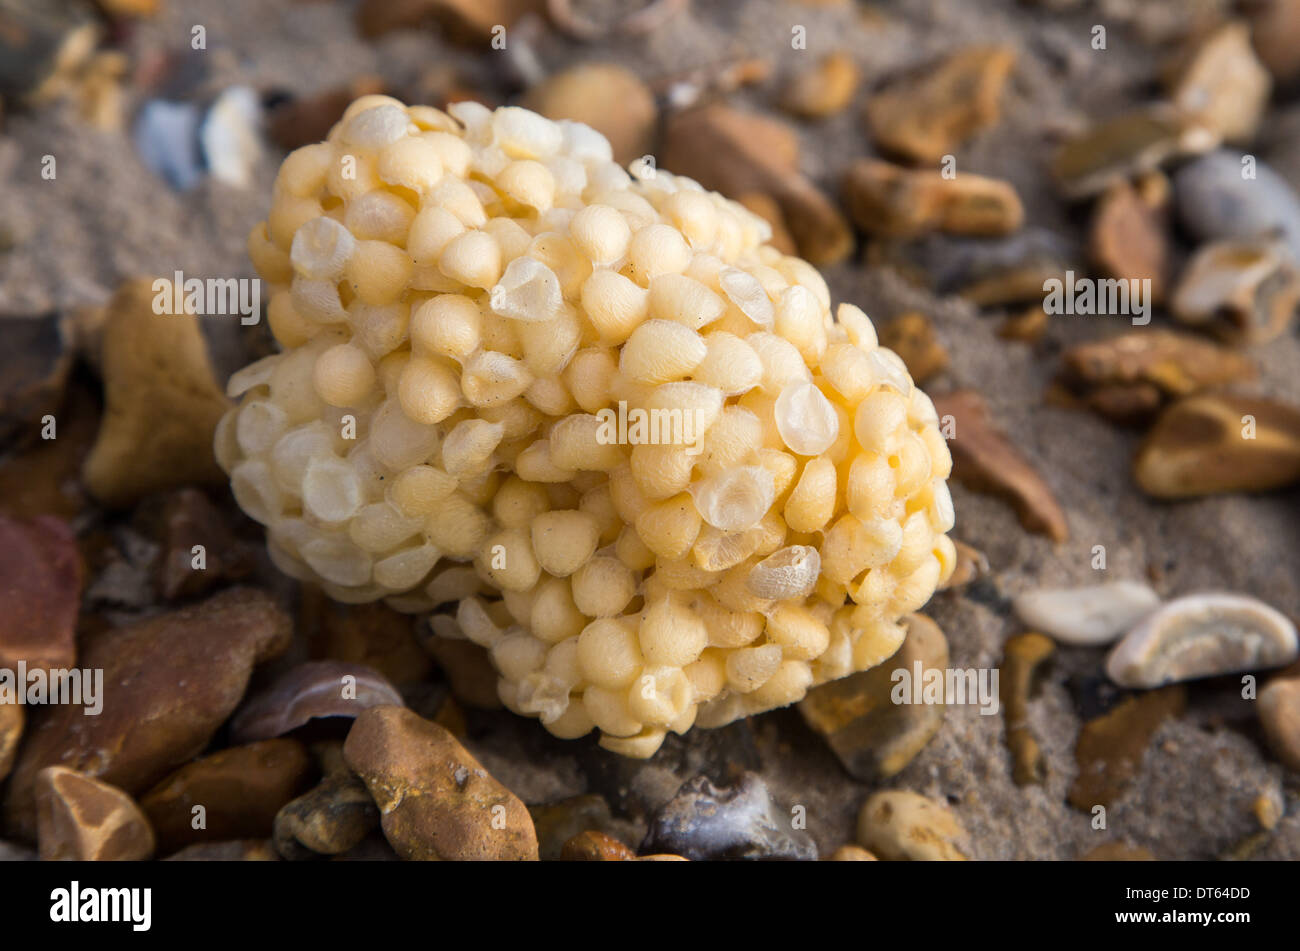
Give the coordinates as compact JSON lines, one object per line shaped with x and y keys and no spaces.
{"x":891,"y":201}
{"x":229,"y":136}
{"x":612,"y":100}
{"x":166,"y":136}
{"x":558,"y":822}
{"x":34,"y":369}
{"x":1117,"y":852}
{"x":41,"y":577}
{"x":1245,"y":291}
{"x":852,"y":853}
{"x":873,"y":737}
{"x":373,"y":635}
{"x":82,"y":819}
{"x":239,"y":850}
{"x":933,"y":111}
{"x":1202,"y":635}
{"x":468,"y":669}
{"x":435,"y":799}
{"x":45,"y":478}
{"x":1023,"y":658}
{"x":1276,"y":31}
{"x":1110,"y":748}
{"x":1129,"y":239}
{"x":1026,"y":326}
{"x":898,"y":825}
{"x":986,"y":461}
{"x":825,"y":89}
{"x":593,"y":846}
{"x":912,"y":337}
{"x":1222,"y":85}
{"x":162,"y":403}
{"x":319,"y":688}
{"x":1124,"y":147}
{"x":240,"y":789}
{"x":703,"y":821}
{"x":11,"y":731}
{"x":1279,"y":715}
{"x":739,"y":153}
{"x":294,"y":122}
{"x":330,"y":819}
{"x":1161,"y":363}
{"x":183,"y":673}
{"x":1216,"y":201}
{"x":1088,"y":616}
{"x":188,"y":519}
{"x":1198,"y":447}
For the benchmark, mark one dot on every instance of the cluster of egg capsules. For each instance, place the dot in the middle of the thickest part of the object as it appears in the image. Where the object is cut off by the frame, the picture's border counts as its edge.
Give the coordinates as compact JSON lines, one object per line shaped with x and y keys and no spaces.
{"x":471,"y":306}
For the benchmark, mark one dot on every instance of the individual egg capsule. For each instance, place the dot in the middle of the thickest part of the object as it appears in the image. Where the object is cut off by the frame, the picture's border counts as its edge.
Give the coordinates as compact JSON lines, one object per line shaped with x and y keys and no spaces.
{"x":564,"y":540}
{"x":601,"y":233}
{"x":727,"y":628}
{"x":657,"y":249}
{"x":468,"y":447}
{"x":661,"y":351}
{"x":800,"y":634}
{"x":879,"y":421}
{"x":603,"y":587}
{"x":806,"y":420}
{"x":669,"y":527}
{"x":419,"y":490}
{"x":730,"y":364}
{"x":378,"y":272}
{"x":614,"y":305}
{"x":748,"y":668}
{"x":583,"y":441}
{"x":684,"y":300}
{"x":554,"y":616}
{"x":789,"y":684}
{"x":458,"y":527}
{"x":473,"y":259}
{"x":588,"y":377}
{"x":609,"y":653}
{"x":508,"y":559}
{"x":428,"y":390}
{"x":343,"y":375}
{"x":380,"y":216}
{"x":490,"y":377}
{"x":660,"y":695}
{"x":851,"y":546}
{"x":661,"y":471}
{"x":447,"y":325}
{"x":671,"y":633}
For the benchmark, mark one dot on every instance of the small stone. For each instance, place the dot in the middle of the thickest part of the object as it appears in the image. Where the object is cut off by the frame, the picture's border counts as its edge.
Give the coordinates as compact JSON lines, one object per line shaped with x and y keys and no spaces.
{"x":1228,"y":195}
{"x":898,"y":825}
{"x":986,"y":461}
{"x":1129,"y":376}
{"x":1222,"y":85}
{"x":1268,"y":809}
{"x":825,"y":89}
{"x":1086,"y":617}
{"x":240,"y":850}
{"x":1276,"y":32}
{"x":892,"y":201}
{"x":45,"y":478}
{"x":333,"y":818}
{"x":1215,"y":443}
{"x":1129,"y":240}
{"x":11,"y":731}
{"x":735,"y":822}
{"x":1244,"y":291}
{"x":935,"y":110}
{"x":593,"y":846}
{"x":41,"y":576}
{"x":320,"y":688}
{"x":852,"y":853}
{"x":1118,"y":852}
{"x":912,"y":337}
{"x":558,"y":822}
{"x":436,"y":800}
{"x":870,"y":734}
{"x":468,"y":669}
{"x":972,"y":565}
{"x":1015,"y":285}
{"x":1023,"y":658}
{"x":230,"y":136}
{"x":189,"y":520}
{"x":373,"y":635}
{"x":1279,"y":715}
{"x":169,"y":683}
{"x":1110,"y":748}
{"x":1026,"y":326}
{"x":738,"y":153}
{"x":469,"y":22}
{"x":33,"y":372}
{"x":162,"y":403}
{"x":166,"y":137}
{"x":612,"y":100}
{"x":240,"y":789}
{"x":1202,"y":635}
{"x":84,"y":820}
{"x":1124,"y":147}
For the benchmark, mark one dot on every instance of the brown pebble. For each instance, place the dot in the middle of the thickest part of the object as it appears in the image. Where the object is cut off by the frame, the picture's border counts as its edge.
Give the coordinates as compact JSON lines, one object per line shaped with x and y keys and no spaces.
{"x":1023,"y":658}
{"x":934,"y":110}
{"x":169,"y":683}
{"x":468,"y":668}
{"x":1221,"y":85}
{"x":593,"y":846}
{"x":11,"y":731}
{"x":330,"y":819}
{"x":1118,"y":852}
{"x":189,"y":519}
{"x":913,"y":338}
{"x":1110,"y":748}
{"x":86,"y":820}
{"x":321,"y":688}
{"x":986,"y":461}
{"x":609,"y":98}
{"x":34,"y":369}
{"x":870,"y":734}
{"x":1015,"y":285}
{"x":899,"y":825}
{"x":240,"y":790}
{"x":558,"y":822}
{"x":1244,"y":291}
{"x":373,"y":634}
{"x":437,"y":801}
{"x":1276,"y":33}
{"x":45,"y":478}
{"x":1202,"y":445}
{"x":1129,"y":239}
{"x":825,"y":89}
{"x":1268,"y":809}
{"x":852,"y":853}
{"x":738,"y":153}
{"x":41,"y":576}
{"x":1026,"y":326}
{"x":1125,"y":146}
{"x":162,"y":402}
{"x":1279,"y":715}
{"x":891,"y":201}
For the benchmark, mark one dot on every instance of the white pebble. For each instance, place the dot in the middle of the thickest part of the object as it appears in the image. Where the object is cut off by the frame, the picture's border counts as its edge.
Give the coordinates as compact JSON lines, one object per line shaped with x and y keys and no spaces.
{"x":1088,"y":616}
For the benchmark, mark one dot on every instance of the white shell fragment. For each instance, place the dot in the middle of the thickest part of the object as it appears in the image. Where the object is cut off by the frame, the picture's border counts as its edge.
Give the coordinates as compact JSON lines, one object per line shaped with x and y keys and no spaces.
{"x":1202,"y":635}
{"x":1088,"y":616}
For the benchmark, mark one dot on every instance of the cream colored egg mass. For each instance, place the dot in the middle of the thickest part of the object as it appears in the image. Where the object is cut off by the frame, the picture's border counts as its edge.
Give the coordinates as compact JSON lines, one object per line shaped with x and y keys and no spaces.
{"x":475,"y":309}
